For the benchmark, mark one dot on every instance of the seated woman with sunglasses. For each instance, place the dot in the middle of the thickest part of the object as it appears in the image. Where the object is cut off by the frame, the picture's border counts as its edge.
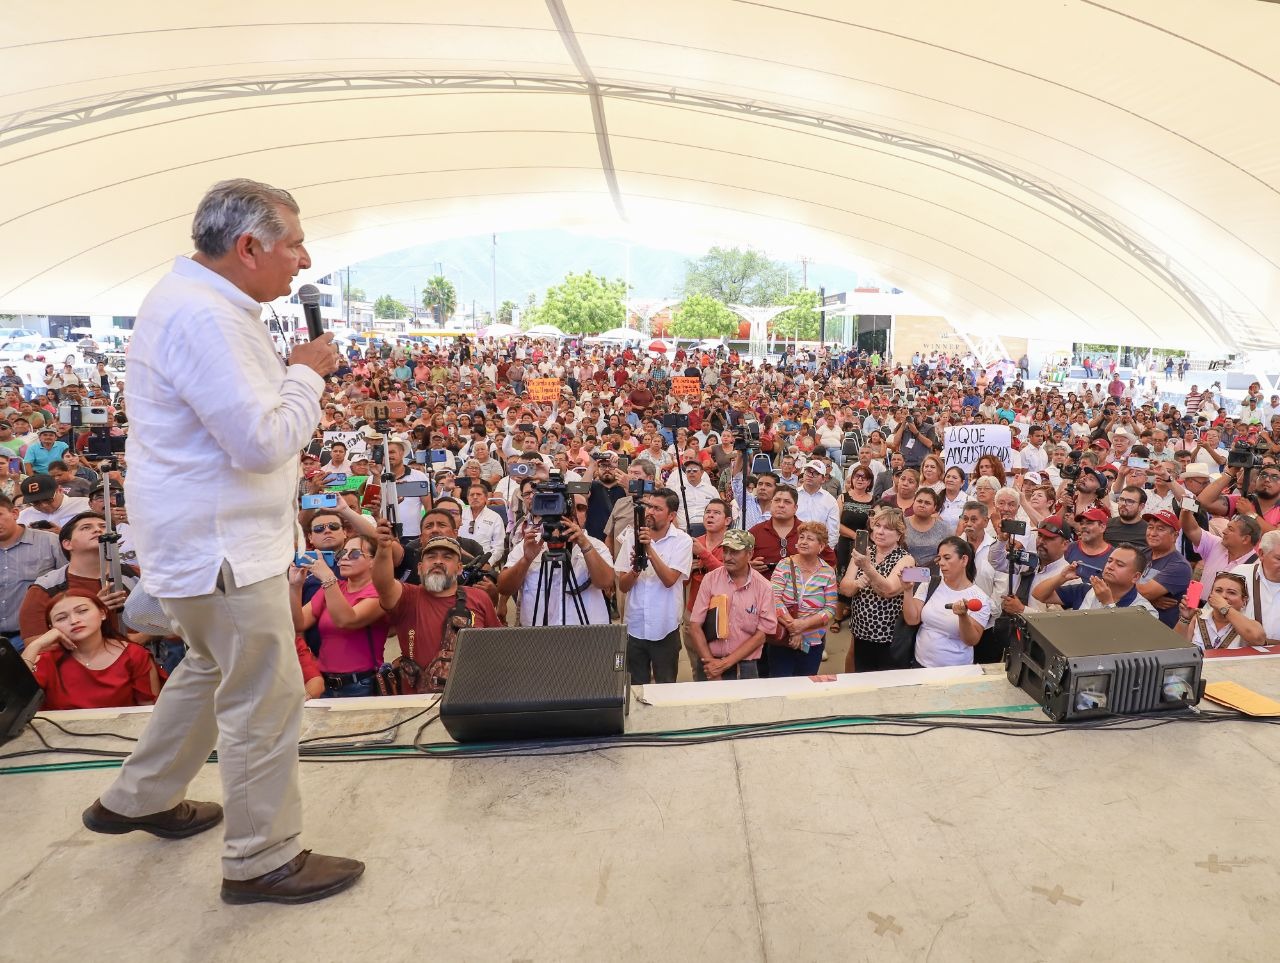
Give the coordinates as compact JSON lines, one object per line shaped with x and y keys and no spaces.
{"x":351,"y":623}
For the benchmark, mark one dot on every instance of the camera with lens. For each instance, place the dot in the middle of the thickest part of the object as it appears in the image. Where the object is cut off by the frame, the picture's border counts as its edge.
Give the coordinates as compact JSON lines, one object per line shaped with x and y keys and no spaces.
{"x":549,"y":501}
{"x":1071,"y":472}
{"x":473,"y":573}
{"x":639,"y":487}
{"x":1243,"y":455}
{"x":747,"y":435}
{"x":1021,"y":557}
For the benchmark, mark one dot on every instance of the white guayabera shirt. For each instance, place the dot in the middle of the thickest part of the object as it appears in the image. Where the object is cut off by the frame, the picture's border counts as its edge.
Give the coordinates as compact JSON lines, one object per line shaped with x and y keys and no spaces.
{"x":216,"y":422}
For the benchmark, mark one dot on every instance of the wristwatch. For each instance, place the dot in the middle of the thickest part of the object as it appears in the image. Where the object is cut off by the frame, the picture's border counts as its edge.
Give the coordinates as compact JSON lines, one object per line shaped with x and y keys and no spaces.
{"x":1223,"y":611}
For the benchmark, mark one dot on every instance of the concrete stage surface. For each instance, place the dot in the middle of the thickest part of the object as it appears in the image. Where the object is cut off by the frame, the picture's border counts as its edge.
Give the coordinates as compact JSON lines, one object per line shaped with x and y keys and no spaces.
{"x":949,"y":845}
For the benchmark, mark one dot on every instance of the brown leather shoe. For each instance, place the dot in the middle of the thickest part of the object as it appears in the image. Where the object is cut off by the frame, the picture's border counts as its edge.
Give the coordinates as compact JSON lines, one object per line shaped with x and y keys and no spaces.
{"x":185,"y":819}
{"x":308,"y":876}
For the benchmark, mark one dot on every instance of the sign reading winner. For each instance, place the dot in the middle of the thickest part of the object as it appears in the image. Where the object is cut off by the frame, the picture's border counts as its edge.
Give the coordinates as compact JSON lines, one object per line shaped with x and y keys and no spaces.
{"x":965,"y":444}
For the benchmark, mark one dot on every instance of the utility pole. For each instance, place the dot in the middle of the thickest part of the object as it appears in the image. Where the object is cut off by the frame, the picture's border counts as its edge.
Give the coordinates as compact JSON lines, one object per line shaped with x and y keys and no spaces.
{"x":804,"y":267}
{"x":347,"y":299}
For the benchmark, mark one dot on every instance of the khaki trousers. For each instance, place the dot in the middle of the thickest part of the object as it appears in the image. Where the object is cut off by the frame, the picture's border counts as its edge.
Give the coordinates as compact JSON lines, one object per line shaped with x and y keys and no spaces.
{"x":239,"y":687}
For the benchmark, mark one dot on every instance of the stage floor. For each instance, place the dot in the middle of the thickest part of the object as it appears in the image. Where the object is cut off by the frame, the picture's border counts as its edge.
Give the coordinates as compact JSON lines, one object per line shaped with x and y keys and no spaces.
{"x":949,"y":845}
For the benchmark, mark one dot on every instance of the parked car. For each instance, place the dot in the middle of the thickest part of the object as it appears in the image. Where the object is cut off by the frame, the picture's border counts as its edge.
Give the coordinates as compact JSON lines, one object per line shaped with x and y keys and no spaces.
{"x":9,"y":334}
{"x":49,"y":350}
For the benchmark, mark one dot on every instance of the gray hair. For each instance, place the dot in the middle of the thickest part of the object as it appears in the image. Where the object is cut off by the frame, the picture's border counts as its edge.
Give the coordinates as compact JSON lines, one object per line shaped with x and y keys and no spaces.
{"x":239,"y":206}
{"x":1269,"y":542}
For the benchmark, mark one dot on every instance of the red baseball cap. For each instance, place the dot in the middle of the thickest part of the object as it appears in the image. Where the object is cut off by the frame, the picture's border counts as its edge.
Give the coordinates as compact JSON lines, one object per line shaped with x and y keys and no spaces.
{"x":1096,"y":514}
{"x":1053,"y":526}
{"x":1164,"y":517}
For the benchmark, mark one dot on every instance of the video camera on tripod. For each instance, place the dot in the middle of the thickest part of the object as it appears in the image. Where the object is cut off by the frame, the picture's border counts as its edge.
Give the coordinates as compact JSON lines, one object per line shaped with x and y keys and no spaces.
{"x":551,"y":506}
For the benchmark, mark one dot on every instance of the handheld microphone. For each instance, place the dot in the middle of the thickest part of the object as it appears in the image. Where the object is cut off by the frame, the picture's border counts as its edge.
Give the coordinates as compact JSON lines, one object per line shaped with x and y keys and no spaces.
{"x":309,"y":295}
{"x":973,"y":605}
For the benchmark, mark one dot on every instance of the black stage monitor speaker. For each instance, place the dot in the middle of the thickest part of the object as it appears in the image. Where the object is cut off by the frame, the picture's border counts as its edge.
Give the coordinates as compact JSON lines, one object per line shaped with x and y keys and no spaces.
{"x":537,"y":683}
{"x":1082,"y":665}
{"x":20,"y":697}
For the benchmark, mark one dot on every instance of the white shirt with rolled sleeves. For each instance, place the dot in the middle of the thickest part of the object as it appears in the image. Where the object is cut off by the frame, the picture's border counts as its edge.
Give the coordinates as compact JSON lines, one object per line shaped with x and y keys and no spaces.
{"x":216,"y":422}
{"x":820,"y":507}
{"x":653,"y":609}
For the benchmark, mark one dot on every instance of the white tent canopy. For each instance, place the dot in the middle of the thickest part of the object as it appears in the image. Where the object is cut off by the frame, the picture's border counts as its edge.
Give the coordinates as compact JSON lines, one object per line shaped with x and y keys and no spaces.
{"x":1107,"y":168}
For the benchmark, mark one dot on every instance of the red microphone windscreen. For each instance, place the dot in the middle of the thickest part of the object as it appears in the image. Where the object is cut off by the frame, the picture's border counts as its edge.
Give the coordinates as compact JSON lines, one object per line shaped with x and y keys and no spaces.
{"x":973,"y":605}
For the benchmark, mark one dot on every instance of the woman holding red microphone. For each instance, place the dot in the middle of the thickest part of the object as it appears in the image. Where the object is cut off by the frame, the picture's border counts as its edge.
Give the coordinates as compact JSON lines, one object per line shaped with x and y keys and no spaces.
{"x":953,"y":617}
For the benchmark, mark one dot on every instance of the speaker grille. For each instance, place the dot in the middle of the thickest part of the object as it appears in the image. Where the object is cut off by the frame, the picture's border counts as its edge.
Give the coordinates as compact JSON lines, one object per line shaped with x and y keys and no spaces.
{"x":537,"y":669}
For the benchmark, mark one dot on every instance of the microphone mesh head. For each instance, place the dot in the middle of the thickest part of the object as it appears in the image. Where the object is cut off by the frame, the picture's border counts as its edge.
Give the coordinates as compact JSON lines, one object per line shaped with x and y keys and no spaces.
{"x":309,"y":294}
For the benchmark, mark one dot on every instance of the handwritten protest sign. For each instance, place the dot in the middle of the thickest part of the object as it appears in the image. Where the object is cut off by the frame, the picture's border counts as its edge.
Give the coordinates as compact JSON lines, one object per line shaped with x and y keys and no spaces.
{"x":965,"y":444}
{"x":354,"y":441}
{"x":686,"y":386}
{"x":544,"y":389}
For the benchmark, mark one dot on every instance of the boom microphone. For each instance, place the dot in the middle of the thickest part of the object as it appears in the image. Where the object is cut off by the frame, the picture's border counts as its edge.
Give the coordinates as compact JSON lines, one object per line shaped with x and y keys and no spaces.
{"x":309,"y":295}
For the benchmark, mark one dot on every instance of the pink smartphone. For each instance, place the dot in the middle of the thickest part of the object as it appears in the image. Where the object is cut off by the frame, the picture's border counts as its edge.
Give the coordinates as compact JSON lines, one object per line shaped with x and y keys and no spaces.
{"x":917,"y":574}
{"x":1194,"y":591}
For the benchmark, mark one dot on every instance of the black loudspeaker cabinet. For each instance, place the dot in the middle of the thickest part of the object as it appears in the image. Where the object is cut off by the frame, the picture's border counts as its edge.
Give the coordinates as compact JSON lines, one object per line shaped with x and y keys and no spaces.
{"x":537,"y":683}
{"x":20,"y":696}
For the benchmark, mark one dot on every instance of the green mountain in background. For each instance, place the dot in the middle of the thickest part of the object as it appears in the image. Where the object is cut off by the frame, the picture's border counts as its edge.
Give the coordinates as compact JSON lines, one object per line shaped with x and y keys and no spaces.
{"x":532,"y":261}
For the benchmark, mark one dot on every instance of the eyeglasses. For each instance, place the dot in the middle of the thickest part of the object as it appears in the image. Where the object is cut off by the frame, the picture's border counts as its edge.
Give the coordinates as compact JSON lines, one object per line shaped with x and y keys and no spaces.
{"x":1270,"y":476}
{"x":1128,"y":501}
{"x":326,"y":527}
{"x":351,"y":555}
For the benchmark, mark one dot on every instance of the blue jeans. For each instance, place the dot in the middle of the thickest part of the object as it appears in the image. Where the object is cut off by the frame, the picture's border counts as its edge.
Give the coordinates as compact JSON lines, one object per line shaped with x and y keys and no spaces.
{"x":350,"y":685}
{"x":784,"y":661}
{"x":168,"y":653}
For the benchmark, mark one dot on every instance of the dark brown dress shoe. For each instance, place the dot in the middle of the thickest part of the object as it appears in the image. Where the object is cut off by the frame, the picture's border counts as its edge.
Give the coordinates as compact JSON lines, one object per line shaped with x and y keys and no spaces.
{"x":308,"y":876}
{"x":185,"y":819}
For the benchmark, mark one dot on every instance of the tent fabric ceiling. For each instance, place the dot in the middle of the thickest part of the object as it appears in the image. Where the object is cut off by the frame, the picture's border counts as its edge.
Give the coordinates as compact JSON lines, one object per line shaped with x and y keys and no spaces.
{"x":1090,"y":171}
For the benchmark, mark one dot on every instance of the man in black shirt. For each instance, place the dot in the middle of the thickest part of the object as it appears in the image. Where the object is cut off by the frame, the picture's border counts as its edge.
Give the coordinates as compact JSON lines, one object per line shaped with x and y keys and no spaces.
{"x":1127,"y":527}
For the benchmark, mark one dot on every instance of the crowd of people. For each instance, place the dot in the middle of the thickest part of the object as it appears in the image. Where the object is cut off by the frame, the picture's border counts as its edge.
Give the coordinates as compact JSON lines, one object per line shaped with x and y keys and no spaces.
{"x":734,"y":518}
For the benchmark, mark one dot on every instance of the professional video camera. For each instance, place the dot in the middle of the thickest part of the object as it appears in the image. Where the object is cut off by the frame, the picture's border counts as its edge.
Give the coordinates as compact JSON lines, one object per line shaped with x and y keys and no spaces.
{"x":550,"y":504}
{"x":747,"y":436}
{"x":1247,"y":458}
{"x":1071,"y":472}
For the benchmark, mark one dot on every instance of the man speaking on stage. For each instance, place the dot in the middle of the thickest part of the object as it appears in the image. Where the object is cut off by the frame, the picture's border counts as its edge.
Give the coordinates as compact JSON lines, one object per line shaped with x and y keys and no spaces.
{"x":216,"y":423}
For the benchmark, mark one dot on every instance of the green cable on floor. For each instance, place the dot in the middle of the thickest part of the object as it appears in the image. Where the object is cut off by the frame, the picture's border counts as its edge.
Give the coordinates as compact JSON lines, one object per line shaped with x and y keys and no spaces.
{"x":448,"y":749}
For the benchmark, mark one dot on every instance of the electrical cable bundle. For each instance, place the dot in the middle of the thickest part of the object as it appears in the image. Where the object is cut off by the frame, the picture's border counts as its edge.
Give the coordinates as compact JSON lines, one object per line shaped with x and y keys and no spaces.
{"x":340,"y":748}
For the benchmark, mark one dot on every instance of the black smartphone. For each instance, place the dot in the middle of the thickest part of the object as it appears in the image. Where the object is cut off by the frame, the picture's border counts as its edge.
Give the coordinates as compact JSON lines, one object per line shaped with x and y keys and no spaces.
{"x":861,"y":541}
{"x":1013,"y":526}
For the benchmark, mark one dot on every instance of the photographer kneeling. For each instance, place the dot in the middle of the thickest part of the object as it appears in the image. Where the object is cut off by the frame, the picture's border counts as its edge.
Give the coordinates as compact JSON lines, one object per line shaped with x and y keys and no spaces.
{"x":588,"y":558}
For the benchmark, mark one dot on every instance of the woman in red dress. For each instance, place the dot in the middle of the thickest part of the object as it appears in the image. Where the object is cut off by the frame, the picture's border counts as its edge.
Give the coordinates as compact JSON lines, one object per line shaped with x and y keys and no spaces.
{"x":80,"y":668}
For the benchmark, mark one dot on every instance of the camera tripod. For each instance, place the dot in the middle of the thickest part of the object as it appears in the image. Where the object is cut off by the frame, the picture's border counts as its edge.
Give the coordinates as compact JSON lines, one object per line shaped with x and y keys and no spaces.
{"x":557,"y":557}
